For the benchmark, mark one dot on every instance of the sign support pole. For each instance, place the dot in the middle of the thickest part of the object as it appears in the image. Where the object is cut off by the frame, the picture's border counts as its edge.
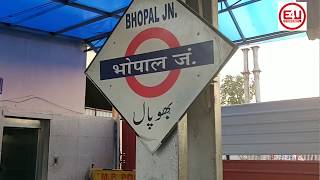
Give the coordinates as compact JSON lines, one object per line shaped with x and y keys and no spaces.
{"x":193,"y":150}
{"x":164,"y":79}
{"x":161,"y":165}
{"x":204,"y":136}
{"x":200,"y":133}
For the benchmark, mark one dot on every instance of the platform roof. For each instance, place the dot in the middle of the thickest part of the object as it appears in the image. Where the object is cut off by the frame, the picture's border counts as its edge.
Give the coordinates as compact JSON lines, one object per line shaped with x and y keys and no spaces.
{"x":92,"y":21}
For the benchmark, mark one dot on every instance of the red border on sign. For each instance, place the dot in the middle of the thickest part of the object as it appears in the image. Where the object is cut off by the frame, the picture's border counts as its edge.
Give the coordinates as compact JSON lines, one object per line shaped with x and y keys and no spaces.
{"x":304,"y":15}
{"x":160,"y":89}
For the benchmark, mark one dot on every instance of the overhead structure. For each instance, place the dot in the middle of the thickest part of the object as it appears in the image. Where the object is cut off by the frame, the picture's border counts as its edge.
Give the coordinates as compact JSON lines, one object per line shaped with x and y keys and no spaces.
{"x":92,"y":22}
{"x":147,"y":63}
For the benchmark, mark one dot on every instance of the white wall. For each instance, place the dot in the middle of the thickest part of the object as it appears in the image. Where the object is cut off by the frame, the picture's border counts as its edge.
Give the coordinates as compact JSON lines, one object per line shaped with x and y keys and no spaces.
{"x":44,"y":67}
{"x":280,"y":127}
{"x":76,"y":140}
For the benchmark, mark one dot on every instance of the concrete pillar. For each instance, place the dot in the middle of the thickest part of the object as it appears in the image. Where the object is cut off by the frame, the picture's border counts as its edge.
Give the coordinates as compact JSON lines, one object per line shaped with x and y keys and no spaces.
{"x":204,"y":136}
{"x":183,"y":148}
{"x":313,"y":19}
{"x":256,"y":72}
{"x":200,"y":5}
{"x":194,"y":150}
{"x":183,"y":139}
{"x":246,"y":74}
{"x":161,"y":165}
{"x":204,"y":130}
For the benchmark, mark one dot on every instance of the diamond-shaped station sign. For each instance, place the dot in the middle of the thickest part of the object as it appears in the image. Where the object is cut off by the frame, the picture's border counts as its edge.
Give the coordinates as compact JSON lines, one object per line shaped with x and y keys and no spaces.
{"x":155,"y":63}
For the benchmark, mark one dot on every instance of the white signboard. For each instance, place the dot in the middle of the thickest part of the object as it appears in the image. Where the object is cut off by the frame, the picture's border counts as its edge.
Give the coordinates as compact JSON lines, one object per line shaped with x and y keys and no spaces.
{"x":155,"y":63}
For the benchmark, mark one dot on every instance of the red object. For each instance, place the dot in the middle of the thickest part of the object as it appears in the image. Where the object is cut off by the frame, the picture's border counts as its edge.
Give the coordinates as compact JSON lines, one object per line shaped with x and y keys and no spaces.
{"x":285,"y":15}
{"x":128,"y":147}
{"x":271,"y":170}
{"x":172,"y":42}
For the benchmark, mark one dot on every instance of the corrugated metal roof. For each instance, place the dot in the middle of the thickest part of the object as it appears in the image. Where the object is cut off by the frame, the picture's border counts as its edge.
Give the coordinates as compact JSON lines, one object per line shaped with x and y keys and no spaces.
{"x":243,"y":21}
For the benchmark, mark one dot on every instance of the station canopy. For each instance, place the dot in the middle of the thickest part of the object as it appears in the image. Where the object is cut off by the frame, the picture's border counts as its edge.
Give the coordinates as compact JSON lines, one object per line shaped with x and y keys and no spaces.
{"x":92,"y":21}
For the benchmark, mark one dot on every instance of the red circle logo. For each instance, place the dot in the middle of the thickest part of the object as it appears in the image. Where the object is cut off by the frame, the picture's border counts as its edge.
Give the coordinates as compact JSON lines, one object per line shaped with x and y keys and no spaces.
{"x":161,"y":88}
{"x":292,"y":16}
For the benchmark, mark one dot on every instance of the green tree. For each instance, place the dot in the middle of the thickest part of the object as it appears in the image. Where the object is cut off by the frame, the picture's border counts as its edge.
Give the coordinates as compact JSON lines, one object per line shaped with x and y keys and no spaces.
{"x":232,"y":90}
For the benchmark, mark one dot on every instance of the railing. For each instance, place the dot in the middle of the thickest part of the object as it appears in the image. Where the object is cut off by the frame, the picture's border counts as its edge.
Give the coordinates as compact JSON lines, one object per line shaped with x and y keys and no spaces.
{"x":270,"y":170}
{"x":98,"y":112}
{"x":294,"y":157}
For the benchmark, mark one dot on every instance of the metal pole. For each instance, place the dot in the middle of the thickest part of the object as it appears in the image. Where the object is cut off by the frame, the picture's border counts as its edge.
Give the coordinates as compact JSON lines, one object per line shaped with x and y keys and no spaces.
{"x":246,"y":74}
{"x":256,"y":72}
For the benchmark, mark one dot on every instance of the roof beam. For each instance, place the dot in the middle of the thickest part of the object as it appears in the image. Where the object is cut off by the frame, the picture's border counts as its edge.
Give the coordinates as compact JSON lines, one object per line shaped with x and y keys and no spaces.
{"x":237,"y":5}
{"x":95,"y":49}
{"x":120,"y":10}
{"x":41,"y":12}
{"x":93,"y":20}
{"x":99,"y":36}
{"x":255,"y":39}
{"x":92,"y":47}
{"x":36,"y":31}
{"x":235,"y":21}
{"x":266,"y":37}
{"x":82,"y":24}
{"x":84,"y":7}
